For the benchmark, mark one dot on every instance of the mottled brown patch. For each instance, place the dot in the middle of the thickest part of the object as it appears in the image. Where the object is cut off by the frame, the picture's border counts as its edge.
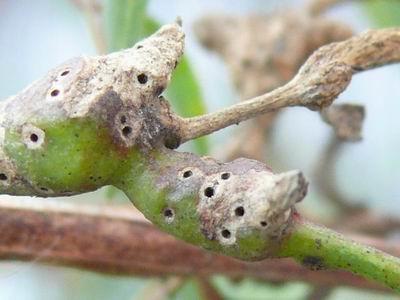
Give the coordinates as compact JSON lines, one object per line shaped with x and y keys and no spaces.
{"x":314,"y":263}
{"x":134,"y":123}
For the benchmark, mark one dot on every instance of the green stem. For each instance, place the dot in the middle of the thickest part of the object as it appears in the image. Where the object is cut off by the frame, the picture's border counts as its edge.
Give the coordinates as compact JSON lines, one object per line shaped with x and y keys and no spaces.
{"x":321,"y":248}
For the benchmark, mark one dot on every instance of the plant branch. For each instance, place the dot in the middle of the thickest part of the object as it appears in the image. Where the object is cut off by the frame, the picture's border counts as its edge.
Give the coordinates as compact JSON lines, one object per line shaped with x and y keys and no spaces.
{"x":320,"y":80}
{"x":346,"y":121}
{"x":97,"y":121}
{"x":261,"y":63}
{"x":117,"y":240}
{"x":321,"y":248}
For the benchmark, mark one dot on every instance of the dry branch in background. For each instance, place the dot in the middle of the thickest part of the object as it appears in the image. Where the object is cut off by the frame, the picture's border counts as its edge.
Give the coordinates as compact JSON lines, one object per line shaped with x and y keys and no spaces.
{"x":117,"y":240}
{"x":259,"y":63}
{"x":319,"y":81}
{"x":346,"y":121}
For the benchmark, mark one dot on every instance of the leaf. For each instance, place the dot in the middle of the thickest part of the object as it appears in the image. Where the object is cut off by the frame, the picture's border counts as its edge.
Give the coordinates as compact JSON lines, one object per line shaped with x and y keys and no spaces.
{"x":127,"y":23}
{"x":189,"y":290}
{"x":384,"y":13}
{"x":185,"y":96}
{"x":251,"y":289}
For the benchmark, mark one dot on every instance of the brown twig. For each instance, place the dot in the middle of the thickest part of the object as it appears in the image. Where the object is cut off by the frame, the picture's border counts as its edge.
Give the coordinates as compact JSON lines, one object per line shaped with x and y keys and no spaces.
{"x":325,"y":179}
{"x":259,"y":63}
{"x":368,"y":222}
{"x":108,"y":239}
{"x":346,"y":121}
{"x":320,"y":80}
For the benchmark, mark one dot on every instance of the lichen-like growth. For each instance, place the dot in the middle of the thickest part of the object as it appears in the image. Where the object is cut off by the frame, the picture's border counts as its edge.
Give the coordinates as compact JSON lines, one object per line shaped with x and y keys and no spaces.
{"x":97,"y":121}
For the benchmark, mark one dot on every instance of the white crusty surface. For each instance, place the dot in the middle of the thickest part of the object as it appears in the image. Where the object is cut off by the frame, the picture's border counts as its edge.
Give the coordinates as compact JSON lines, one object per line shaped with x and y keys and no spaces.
{"x":121,"y":89}
{"x":265,"y":201}
{"x":74,"y":88}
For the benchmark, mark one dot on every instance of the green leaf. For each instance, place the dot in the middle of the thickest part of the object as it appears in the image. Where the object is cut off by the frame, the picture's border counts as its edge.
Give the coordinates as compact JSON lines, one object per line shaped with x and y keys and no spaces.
{"x":185,"y":96}
{"x":127,"y":23}
{"x":189,"y":290}
{"x":251,"y":289}
{"x":384,"y":13}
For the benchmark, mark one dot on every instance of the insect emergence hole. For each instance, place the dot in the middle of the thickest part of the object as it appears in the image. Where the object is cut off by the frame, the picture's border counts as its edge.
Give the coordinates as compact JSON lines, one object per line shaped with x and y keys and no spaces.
{"x":239,"y":211}
{"x":139,"y":47}
{"x":54,"y":93}
{"x":126,"y":130}
{"x":34,"y":137}
{"x":44,"y":189}
{"x":226,"y":233}
{"x":187,"y":174}
{"x":225,"y":176}
{"x":64,"y":73}
{"x":168,"y":213}
{"x":142,"y":78}
{"x":3,"y":177}
{"x":209,"y":192}
{"x":263,"y":223}
{"x":123,"y":119}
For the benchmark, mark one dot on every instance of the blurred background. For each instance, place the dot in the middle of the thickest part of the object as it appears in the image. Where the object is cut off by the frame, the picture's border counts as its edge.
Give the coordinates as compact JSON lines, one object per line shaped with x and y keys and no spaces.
{"x":38,"y":35}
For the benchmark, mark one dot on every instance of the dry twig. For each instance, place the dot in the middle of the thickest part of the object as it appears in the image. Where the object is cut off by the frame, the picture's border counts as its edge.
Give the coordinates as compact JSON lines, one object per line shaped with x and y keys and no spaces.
{"x":259,"y":63}
{"x":320,"y":80}
{"x":108,"y":239}
{"x":346,"y":121}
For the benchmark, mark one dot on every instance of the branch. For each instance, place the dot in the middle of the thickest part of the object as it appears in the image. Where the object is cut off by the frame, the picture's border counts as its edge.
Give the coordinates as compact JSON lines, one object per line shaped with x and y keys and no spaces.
{"x":98,"y":121}
{"x":320,"y":80}
{"x":321,"y":248}
{"x":116,"y":240}
{"x":346,"y":121}
{"x":261,"y":63}
{"x":369,"y":222}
